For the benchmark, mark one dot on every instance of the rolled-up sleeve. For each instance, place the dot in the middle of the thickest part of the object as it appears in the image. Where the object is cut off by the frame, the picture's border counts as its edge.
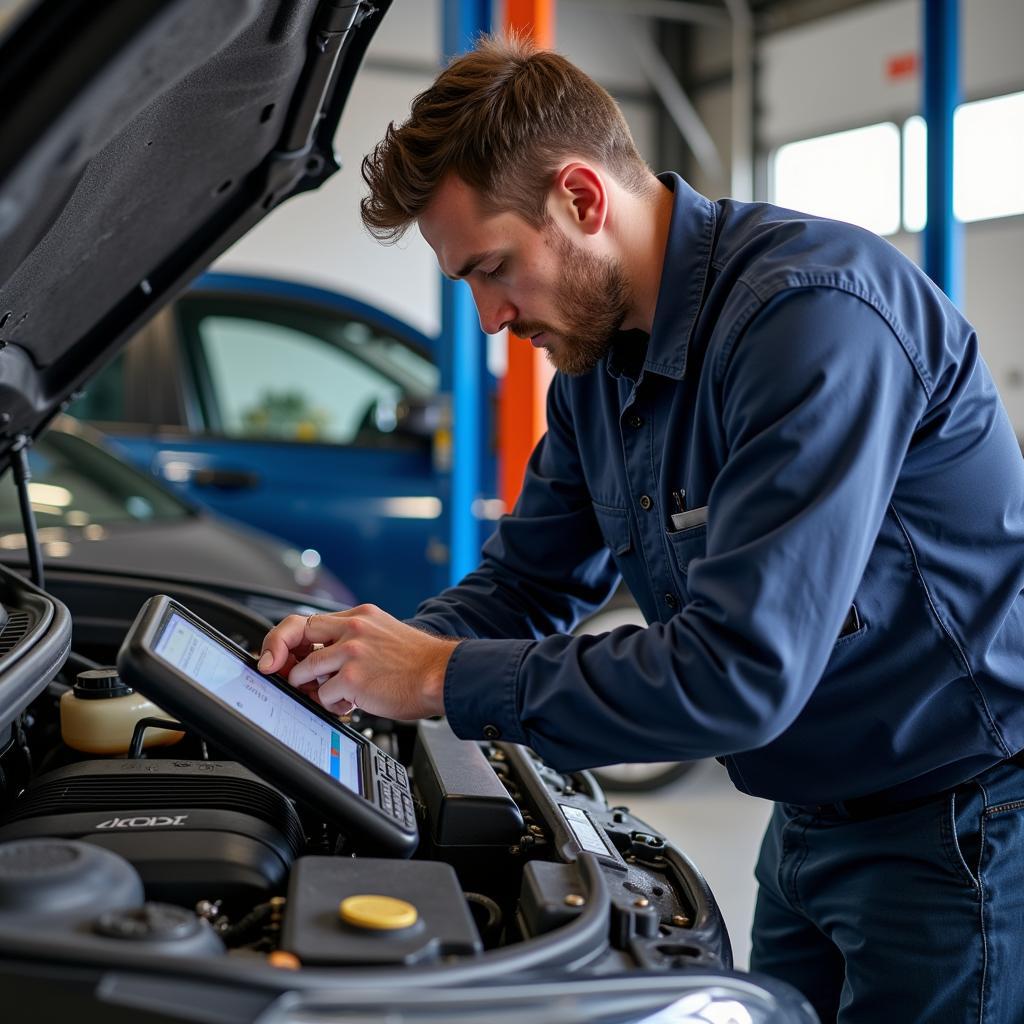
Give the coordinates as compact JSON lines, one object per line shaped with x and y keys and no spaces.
{"x":818,"y":403}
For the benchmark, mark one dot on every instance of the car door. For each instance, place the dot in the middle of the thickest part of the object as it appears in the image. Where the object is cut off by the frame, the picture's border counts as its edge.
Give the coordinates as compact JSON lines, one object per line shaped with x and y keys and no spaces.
{"x":290,"y":409}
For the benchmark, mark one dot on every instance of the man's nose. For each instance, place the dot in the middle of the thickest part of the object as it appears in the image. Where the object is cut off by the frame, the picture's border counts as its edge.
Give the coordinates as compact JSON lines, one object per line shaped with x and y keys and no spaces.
{"x":494,"y":310}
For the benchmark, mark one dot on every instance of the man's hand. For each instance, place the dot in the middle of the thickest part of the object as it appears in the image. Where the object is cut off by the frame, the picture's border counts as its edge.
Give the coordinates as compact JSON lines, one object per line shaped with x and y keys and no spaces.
{"x":368,"y":659}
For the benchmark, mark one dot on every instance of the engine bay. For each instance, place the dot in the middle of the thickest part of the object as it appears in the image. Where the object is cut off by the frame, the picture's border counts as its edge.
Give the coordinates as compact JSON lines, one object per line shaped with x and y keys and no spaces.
{"x":176,"y":851}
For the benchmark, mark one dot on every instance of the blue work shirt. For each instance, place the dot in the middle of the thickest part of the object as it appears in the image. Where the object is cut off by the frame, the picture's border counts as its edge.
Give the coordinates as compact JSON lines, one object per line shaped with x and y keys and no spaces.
{"x":826,"y":408}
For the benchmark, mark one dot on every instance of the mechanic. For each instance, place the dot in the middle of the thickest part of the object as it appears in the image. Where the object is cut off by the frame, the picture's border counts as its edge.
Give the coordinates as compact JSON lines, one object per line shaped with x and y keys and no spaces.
{"x":783,"y":436}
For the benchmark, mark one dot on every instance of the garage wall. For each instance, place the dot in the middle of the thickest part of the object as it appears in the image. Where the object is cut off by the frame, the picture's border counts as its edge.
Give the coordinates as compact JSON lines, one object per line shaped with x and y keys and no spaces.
{"x":318,"y":237}
{"x":831,"y":74}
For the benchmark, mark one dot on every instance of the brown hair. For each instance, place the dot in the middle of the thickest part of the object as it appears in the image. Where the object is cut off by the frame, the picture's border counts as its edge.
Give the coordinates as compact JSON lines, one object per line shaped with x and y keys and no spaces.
{"x":500,"y":117}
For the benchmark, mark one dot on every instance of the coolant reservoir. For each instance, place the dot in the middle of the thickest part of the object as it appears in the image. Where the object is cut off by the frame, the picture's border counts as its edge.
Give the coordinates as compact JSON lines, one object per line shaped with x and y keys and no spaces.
{"x":99,"y":713}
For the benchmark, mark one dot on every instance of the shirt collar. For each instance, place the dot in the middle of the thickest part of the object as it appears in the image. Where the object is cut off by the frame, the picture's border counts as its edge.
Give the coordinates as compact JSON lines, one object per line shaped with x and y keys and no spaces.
{"x":681,"y":291}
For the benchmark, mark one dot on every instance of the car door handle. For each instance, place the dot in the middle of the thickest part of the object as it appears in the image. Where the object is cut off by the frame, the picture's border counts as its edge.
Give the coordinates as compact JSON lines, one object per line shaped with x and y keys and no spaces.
{"x":225,"y":479}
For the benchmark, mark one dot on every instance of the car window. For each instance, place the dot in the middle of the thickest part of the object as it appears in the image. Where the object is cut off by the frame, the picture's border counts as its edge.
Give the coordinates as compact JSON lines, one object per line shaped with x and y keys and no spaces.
{"x":76,"y":483}
{"x":417,"y":374}
{"x":278,"y":381}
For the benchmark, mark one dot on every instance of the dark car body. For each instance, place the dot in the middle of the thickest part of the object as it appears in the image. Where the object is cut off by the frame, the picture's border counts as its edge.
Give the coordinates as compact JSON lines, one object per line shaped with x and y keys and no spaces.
{"x":96,"y":512}
{"x":141,"y":137}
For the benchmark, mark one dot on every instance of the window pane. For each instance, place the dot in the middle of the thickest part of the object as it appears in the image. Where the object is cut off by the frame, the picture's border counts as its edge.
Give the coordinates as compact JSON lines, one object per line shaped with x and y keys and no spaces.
{"x":274,"y":381}
{"x":915,"y":174}
{"x":989,"y":160}
{"x":417,"y":374}
{"x":852,"y":176}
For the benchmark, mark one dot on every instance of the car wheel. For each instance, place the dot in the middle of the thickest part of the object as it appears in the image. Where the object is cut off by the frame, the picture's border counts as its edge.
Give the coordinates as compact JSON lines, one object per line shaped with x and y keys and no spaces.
{"x":641,"y":778}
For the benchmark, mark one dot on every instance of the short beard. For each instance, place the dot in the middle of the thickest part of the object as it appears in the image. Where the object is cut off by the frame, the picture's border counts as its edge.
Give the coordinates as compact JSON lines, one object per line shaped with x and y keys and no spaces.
{"x":592,"y":299}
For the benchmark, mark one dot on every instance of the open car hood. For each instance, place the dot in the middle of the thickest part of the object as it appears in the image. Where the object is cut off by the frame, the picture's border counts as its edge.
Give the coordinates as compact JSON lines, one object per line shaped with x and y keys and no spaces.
{"x":140,"y":139}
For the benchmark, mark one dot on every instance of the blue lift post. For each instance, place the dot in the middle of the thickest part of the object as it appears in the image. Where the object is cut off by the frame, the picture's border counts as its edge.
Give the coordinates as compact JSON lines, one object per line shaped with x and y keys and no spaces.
{"x":943,"y":235}
{"x":464,"y":350}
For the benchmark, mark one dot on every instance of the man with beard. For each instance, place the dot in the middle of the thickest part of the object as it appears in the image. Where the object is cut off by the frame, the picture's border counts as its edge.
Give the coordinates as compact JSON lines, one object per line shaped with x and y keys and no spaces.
{"x":782,"y":436}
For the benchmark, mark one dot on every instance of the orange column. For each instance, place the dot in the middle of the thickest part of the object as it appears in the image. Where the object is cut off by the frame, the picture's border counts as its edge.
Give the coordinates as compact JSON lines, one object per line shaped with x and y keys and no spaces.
{"x":521,"y":419}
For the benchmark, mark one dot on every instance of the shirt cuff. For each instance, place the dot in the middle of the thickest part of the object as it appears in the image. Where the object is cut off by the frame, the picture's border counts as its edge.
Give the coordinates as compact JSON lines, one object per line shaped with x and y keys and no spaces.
{"x":481,"y":689}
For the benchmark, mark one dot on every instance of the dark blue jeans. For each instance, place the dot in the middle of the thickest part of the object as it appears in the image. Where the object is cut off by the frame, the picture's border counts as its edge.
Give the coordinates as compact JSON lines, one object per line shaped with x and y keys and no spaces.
{"x":908,"y":917}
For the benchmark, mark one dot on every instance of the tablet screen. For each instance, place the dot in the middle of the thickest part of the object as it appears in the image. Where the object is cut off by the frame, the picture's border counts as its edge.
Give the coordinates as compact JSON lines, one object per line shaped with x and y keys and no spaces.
{"x":223,"y":674}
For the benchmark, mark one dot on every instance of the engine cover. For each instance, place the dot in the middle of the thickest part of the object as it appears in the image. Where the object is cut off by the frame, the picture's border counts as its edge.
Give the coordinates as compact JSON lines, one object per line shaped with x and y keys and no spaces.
{"x":192,"y":829}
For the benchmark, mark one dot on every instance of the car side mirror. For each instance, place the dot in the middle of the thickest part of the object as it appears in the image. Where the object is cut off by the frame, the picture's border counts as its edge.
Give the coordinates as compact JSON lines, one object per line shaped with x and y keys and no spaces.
{"x":418,"y":416}
{"x":413,"y":416}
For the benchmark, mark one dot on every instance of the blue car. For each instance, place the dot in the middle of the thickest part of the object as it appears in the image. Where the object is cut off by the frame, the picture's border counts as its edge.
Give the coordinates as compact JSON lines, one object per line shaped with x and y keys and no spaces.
{"x":302,"y":412}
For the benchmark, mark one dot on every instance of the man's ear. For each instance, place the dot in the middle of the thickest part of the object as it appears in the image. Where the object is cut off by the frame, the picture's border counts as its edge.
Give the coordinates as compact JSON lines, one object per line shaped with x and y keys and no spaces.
{"x":579,"y":198}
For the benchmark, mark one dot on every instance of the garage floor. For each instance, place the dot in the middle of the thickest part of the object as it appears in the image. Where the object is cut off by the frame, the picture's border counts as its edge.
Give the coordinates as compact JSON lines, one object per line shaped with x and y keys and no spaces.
{"x":720,"y":830}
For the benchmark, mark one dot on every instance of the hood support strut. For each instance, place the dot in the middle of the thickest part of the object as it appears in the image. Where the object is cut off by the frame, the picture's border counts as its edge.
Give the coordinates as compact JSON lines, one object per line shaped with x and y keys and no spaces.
{"x":22,"y":476}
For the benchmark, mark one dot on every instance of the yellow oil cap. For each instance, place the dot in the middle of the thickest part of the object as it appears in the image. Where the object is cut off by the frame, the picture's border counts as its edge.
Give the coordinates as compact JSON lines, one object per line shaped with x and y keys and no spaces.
{"x":379,"y":913}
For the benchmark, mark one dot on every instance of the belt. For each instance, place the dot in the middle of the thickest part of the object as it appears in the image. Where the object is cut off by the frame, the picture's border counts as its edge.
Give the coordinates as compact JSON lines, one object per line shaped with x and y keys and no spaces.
{"x":875,"y":805}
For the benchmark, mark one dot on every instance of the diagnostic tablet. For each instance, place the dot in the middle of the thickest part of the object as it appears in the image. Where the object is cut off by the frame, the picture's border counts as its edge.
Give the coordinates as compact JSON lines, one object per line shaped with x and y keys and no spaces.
{"x":213,"y":686}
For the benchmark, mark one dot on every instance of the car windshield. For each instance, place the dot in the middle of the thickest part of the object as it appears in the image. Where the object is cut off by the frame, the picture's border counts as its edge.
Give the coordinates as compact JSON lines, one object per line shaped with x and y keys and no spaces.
{"x":75,"y":483}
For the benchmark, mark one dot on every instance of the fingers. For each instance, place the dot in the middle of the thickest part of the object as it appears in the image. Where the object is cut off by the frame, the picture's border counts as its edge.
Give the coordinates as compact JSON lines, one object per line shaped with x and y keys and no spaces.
{"x":339,"y":708}
{"x":288,"y":635}
{"x":296,"y":634}
{"x":336,"y":691}
{"x":318,"y":664}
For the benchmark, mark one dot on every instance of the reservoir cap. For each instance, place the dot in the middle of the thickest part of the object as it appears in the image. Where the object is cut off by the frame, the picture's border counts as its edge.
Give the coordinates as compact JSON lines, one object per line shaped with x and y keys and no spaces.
{"x":378,"y":913}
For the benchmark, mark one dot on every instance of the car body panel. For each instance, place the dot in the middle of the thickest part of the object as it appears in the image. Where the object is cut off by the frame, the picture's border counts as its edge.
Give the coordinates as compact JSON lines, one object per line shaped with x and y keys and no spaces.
{"x":97,"y":512}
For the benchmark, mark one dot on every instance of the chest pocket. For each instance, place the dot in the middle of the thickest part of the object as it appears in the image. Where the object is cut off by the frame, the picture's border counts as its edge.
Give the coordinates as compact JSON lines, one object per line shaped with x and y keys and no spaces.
{"x":686,"y":545}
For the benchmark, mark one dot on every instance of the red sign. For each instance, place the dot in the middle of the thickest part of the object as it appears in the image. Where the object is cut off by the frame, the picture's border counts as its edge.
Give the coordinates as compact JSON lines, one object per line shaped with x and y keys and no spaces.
{"x":903,"y":65}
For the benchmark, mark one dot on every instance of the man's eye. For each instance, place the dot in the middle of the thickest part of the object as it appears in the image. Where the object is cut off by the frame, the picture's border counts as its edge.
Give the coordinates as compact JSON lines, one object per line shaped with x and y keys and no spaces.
{"x":496,"y":271}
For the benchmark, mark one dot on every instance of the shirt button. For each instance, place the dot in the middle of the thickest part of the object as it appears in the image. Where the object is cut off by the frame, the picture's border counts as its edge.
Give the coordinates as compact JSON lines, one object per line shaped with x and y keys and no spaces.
{"x":671,"y":600}
{"x":491,"y":732}
{"x":645,"y":502}
{"x":636,"y":421}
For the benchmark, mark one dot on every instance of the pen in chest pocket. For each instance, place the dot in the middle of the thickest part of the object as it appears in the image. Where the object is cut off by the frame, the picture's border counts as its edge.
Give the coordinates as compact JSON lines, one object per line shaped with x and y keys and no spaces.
{"x":685,"y":518}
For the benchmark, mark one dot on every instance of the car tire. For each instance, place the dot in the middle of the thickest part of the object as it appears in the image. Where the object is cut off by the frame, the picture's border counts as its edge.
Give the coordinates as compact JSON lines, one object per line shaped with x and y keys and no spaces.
{"x":641,"y":778}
